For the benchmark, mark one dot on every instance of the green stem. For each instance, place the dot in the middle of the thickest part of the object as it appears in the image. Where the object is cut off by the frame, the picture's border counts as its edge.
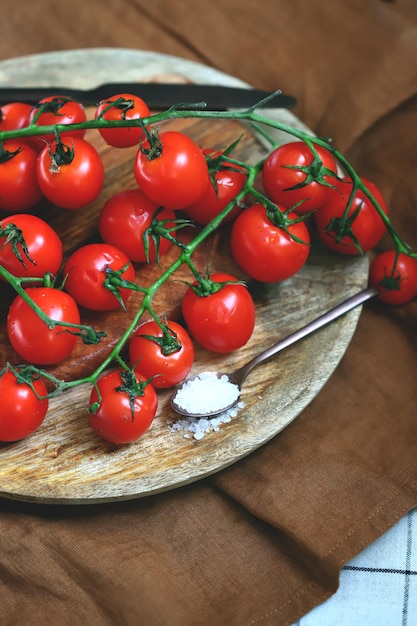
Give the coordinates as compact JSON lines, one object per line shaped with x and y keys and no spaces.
{"x":16,"y":283}
{"x":259,"y":123}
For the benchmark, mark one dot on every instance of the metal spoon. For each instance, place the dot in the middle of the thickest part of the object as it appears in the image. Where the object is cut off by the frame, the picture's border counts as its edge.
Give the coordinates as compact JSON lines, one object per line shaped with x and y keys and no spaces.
{"x":238,"y":377}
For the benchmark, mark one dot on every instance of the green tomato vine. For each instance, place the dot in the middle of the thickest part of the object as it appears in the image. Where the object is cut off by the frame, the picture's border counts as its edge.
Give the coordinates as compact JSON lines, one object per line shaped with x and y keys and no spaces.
{"x":114,"y":281}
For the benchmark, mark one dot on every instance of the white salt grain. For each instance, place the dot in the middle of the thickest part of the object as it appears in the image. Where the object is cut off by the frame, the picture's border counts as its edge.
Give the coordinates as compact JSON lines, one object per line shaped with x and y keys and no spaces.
{"x":207,"y":394}
{"x":199,"y":426}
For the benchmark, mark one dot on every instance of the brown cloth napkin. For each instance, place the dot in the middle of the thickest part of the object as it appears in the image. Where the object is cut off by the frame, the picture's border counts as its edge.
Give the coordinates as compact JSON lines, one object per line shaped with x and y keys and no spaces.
{"x":263,"y":541}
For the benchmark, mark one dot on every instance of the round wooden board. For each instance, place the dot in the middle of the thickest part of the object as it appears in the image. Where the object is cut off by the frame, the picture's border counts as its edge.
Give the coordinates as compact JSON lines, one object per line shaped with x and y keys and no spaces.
{"x":64,"y":461}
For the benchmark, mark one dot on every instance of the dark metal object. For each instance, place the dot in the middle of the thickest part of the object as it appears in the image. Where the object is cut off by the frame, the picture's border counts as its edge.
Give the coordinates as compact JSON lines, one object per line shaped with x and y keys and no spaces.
{"x":159,"y":96}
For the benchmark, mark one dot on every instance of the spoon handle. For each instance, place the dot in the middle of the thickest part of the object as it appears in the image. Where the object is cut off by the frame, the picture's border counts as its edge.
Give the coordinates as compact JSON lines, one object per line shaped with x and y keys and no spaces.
{"x":324,"y":319}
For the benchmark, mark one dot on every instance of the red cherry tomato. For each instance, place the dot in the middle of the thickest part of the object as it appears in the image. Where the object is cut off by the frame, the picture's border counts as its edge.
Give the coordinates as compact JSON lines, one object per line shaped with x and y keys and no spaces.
{"x":395,"y":277}
{"x":125,"y":107}
{"x":291,"y":175}
{"x":124,"y":219}
{"x":21,"y":410}
{"x":224,"y":320}
{"x":57,"y":110}
{"x":19,"y":187}
{"x":70,"y":174}
{"x":174,"y":173}
{"x":85,"y":273}
{"x":122,"y":416}
{"x":265,"y":251}
{"x":226,"y":181}
{"x":29,"y":246}
{"x":169,"y":361}
{"x":364,"y":227}
{"x":31,"y":337}
{"x":14,"y":115}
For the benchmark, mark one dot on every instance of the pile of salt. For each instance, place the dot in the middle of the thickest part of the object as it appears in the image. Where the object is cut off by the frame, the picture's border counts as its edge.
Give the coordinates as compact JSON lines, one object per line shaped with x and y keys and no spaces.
{"x":205,"y":394}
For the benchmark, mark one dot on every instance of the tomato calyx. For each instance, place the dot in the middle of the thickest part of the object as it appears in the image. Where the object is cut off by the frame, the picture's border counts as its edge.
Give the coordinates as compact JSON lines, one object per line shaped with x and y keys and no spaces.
{"x":88,"y":335}
{"x":114,"y":282}
{"x":281,"y":220}
{"x":53,"y":105}
{"x":8,"y":155}
{"x":162,"y":228}
{"x":341,"y":227}
{"x":168,"y":343}
{"x":152,"y":146}
{"x":219,"y":162}
{"x":24,"y":375}
{"x":315,"y":172}
{"x":390,"y":283}
{"x":130,"y":386}
{"x":122,"y":104}
{"x":62,"y":155}
{"x":13,"y":235}
{"x":204,"y":286}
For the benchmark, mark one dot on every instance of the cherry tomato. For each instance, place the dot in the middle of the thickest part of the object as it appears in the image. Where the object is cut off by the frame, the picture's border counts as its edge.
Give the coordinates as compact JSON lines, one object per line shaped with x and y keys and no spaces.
{"x":126,"y":107}
{"x":31,"y":337}
{"x":394,"y":276}
{"x":291,"y":175}
{"x":21,"y":410}
{"x":124,"y":219}
{"x":29,"y":246}
{"x":169,"y":360}
{"x":19,"y":187}
{"x":85,"y":273}
{"x":265,"y":251}
{"x":57,"y":110}
{"x":70,"y":174}
{"x":365,"y":227}
{"x":224,"y":320}
{"x":14,"y":115}
{"x":226,"y":181}
{"x":126,"y":408}
{"x":174,"y":172}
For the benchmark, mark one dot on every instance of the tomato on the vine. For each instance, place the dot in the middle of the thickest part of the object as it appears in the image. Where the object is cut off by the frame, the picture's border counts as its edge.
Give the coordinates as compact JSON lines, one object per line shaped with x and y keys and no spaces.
{"x":70,"y":173}
{"x":29,"y":246}
{"x":226,"y":181}
{"x":14,"y":115}
{"x":32,"y":339}
{"x":171,"y":170}
{"x":295,"y":178}
{"x":22,"y":409}
{"x":125,"y":409}
{"x":223,"y":319}
{"x":19,"y":187}
{"x":86,"y":274}
{"x":166,"y":355}
{"x":395,"y":277}
{"x":57,"y":110}
{"x":124,"y":220}
{"x":265,"y":250}
{"x":358,"y":231}
{"x":122,"y":106}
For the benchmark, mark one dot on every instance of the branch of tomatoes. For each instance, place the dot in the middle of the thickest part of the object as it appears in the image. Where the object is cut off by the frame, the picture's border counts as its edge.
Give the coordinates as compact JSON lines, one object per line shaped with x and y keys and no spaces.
{"x":256,"y":120}
{"x":289,"y":221}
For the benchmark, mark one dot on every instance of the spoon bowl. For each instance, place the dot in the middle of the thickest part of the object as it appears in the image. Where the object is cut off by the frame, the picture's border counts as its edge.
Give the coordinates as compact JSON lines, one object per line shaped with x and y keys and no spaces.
{"x":209,"y":394}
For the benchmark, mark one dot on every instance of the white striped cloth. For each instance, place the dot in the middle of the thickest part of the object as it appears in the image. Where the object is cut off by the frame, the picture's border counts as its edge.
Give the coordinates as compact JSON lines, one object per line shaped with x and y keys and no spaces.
{"x":379,"y":586}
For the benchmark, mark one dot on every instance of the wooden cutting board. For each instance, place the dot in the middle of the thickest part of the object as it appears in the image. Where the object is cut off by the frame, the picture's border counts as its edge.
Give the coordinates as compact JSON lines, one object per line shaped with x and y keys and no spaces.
{"x":64,"y":461}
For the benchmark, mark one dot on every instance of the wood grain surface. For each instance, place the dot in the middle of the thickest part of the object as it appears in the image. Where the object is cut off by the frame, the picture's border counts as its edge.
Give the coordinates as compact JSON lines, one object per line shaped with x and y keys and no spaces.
{"x":64,"y":461}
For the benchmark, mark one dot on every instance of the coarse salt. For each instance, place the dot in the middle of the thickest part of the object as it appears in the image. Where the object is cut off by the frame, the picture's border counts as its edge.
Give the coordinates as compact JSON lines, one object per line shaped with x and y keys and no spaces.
{"x":204,"y":394}
{"x":207,"y":393}
{"x":197,"y":427}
